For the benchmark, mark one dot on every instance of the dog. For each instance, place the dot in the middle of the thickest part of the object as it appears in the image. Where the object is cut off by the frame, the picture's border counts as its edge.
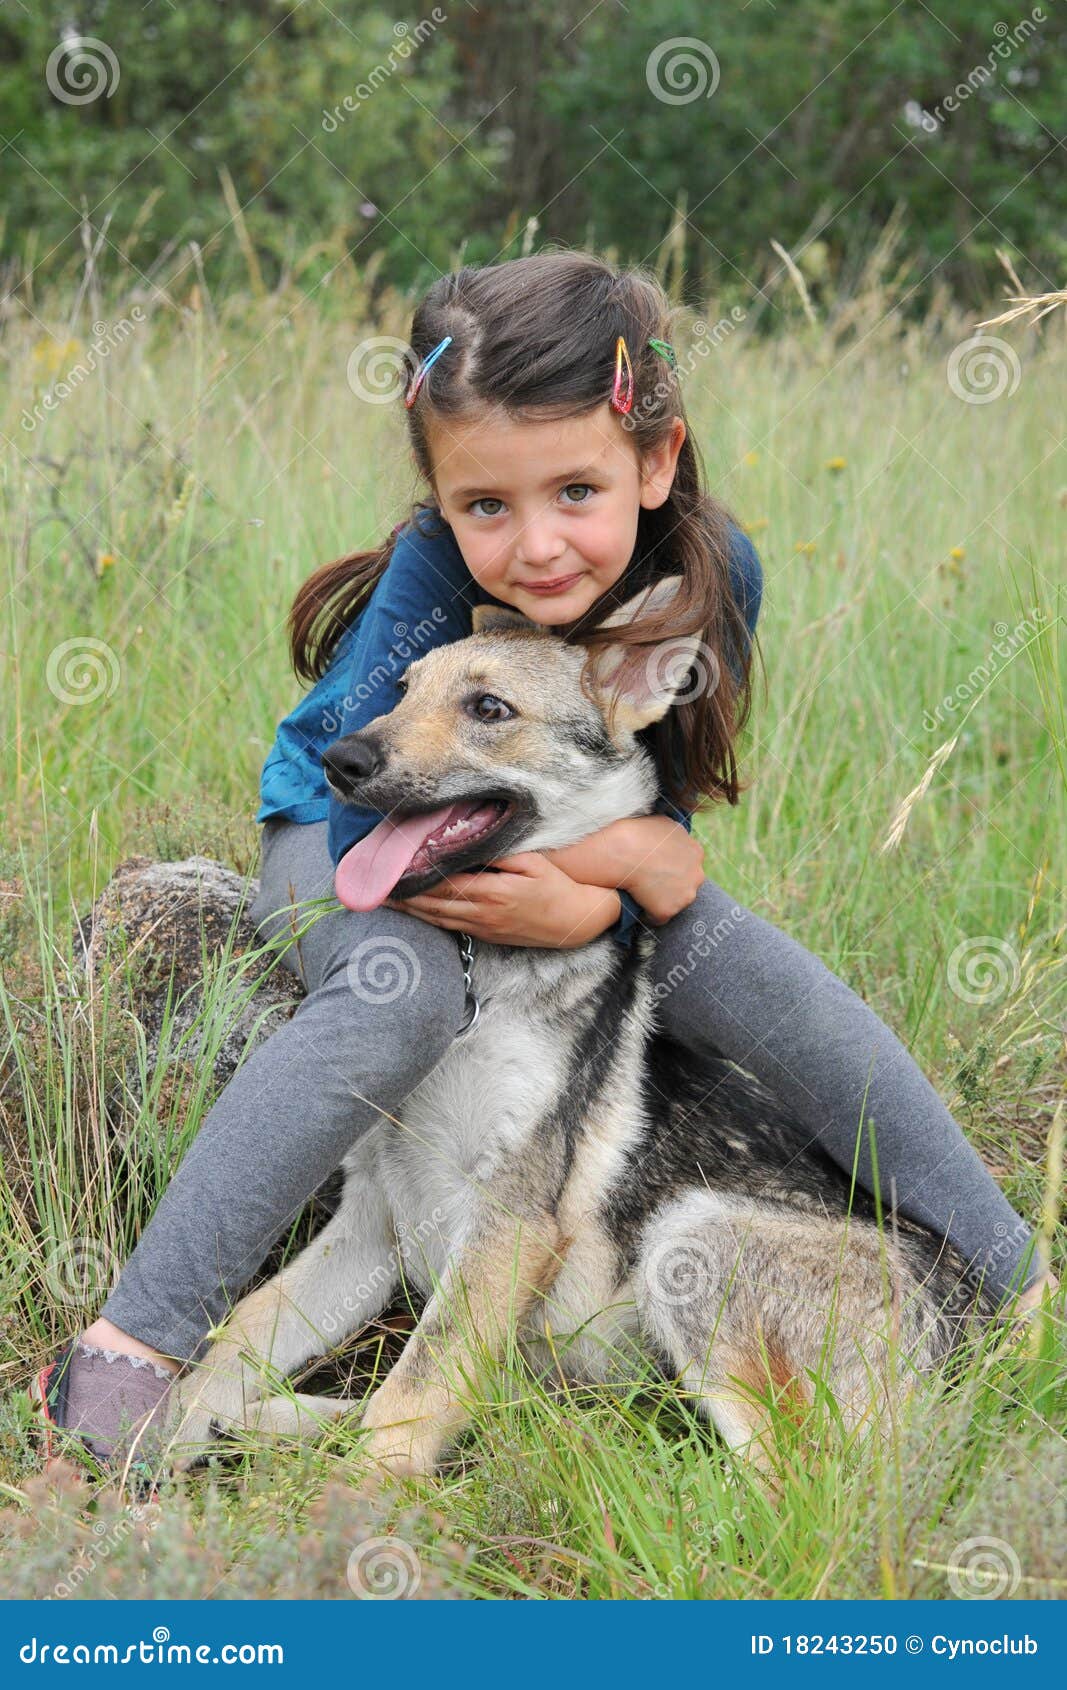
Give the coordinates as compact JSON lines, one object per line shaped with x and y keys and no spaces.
{"x":567,"y":1176}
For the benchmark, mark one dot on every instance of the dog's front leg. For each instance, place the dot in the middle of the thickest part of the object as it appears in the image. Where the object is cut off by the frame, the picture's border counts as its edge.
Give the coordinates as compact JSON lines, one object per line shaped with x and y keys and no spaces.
{"x":487,"y":1287}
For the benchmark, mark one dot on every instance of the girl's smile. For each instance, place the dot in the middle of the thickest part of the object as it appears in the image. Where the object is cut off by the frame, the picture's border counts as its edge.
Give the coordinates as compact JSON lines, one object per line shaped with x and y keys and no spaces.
{"x":546,"y":512}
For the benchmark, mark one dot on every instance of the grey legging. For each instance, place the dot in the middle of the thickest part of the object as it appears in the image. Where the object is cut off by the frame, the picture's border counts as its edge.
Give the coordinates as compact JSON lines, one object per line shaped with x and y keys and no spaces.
{"x":385,"y":998}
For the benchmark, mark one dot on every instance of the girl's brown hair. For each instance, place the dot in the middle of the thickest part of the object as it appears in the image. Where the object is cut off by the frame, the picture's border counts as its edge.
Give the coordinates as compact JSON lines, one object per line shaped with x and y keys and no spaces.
{"x":537,"y":336}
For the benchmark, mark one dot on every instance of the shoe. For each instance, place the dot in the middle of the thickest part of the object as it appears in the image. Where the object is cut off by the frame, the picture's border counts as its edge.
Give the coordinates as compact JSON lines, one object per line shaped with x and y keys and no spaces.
{"x":49,"y":1394}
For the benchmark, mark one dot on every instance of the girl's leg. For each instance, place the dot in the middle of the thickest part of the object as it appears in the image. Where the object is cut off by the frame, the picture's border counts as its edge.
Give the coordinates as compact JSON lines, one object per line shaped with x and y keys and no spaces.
{"x":384,"y":1002}
{"x":729,"y":983}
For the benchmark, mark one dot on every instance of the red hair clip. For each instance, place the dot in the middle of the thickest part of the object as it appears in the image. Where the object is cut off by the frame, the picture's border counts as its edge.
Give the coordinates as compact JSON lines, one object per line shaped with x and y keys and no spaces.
{"x":624,"y":403}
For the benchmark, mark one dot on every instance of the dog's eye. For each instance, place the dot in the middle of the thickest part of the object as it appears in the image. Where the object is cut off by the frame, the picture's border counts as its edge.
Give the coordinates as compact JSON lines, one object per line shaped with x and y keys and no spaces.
{"x":402,"y":684}
{"x":488,"y":708}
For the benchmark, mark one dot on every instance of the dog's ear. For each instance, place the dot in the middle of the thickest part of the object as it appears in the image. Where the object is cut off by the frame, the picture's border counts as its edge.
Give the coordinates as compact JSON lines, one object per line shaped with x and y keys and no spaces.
{"x":637,"y":684}
{"x":495,"y":619}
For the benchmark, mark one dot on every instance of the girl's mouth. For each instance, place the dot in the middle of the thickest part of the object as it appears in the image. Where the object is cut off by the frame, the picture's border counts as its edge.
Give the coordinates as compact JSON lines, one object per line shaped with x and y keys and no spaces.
{"x":560,"y":584}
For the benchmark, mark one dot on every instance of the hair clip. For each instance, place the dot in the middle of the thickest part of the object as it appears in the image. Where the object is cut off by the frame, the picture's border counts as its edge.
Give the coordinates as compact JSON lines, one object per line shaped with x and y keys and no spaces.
{"x":409,"y":397}
{"x":664,"y":350}
{"x":618,"y":403}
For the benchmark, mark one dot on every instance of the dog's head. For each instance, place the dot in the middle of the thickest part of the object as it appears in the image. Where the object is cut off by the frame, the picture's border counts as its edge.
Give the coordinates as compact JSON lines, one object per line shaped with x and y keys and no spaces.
{"x":495,"y":747}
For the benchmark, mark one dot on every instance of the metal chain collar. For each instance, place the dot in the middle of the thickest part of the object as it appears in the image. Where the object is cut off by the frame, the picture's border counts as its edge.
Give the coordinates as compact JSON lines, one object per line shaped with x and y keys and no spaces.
{"x":474,"y":1008}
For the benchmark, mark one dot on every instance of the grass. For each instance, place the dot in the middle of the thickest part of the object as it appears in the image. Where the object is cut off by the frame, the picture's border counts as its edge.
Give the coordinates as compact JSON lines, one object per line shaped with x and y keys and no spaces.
{"x":165,"y":512}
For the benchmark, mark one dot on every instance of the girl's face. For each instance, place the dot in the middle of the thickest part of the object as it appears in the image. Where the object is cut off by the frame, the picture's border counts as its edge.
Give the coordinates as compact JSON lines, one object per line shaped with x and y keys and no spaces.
{"x":545,"y":513}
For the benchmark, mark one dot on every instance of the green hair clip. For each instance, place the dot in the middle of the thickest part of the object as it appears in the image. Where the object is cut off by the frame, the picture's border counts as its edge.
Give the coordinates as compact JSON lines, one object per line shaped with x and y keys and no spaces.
{"x":664,"y":351}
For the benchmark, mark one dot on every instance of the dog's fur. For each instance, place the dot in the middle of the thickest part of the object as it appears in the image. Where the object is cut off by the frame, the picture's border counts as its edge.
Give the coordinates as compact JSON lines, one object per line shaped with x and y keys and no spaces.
{"x":565,"y":1173}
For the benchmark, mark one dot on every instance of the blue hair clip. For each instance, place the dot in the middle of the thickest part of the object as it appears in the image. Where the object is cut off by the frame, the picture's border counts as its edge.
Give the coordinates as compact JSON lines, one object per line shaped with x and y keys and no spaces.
{"x":409,"y":397}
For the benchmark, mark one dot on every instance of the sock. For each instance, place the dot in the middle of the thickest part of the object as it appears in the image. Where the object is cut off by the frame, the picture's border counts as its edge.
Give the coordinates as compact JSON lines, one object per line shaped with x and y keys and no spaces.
{"x":111,"y":1397}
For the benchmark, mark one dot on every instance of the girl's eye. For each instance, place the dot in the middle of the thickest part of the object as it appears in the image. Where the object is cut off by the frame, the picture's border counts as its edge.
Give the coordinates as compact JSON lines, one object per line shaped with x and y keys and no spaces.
{"x":579,"y":486}
{"x":488,"y":708}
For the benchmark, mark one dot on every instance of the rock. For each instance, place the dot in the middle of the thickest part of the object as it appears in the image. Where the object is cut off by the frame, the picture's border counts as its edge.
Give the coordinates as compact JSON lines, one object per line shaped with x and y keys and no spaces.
{"x":153,"y":917}
{"x":158,"y":916}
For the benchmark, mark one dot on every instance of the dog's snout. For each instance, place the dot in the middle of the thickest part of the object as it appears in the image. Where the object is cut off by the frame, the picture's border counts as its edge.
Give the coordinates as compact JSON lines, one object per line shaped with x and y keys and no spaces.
{"x":355,"y":758}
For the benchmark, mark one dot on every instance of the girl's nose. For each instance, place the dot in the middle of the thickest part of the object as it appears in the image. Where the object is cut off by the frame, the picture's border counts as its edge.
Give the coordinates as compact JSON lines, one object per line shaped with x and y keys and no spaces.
{"x":538,"y":543}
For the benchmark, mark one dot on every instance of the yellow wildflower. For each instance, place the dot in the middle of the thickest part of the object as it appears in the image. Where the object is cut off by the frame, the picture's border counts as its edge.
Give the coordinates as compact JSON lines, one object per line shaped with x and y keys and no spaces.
{"x":958,"y":553}
{"x":806,"y":546}
{"x":750,"y":458}
{"x":836,"y":464}
{"x":104,"y":560}
{"x":50,"y":354}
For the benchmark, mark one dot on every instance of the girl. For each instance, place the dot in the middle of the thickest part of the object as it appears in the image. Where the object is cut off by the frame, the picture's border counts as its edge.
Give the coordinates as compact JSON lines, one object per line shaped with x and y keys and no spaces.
{"x":546,"y":419}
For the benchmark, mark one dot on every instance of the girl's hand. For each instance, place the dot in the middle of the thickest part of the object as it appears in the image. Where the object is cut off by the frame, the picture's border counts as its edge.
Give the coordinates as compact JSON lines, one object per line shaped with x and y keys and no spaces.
{"x":528,"y":902}
{"x":651,"y":857}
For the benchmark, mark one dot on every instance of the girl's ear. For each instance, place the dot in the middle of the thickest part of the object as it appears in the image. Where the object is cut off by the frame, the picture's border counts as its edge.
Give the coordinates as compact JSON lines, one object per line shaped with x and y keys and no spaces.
{"x":493,"y":619}
{"x":637,"y":684}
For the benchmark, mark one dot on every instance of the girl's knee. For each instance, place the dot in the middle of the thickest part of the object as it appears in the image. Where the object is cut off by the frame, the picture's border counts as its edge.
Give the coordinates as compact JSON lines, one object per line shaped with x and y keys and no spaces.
{"x":402,"y":981}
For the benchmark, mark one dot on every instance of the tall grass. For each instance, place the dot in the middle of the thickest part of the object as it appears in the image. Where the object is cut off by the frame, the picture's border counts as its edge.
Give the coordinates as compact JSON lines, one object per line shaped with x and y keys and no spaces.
{"x":164,"y":512}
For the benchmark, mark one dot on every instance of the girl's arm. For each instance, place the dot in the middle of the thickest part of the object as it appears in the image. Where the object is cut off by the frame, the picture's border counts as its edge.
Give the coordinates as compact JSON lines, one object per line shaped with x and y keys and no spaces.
{"x":653,"y":858}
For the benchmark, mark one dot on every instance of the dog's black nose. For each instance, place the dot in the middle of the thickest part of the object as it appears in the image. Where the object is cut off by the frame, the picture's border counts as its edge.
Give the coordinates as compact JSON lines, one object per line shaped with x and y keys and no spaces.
{"x":353,"y":759}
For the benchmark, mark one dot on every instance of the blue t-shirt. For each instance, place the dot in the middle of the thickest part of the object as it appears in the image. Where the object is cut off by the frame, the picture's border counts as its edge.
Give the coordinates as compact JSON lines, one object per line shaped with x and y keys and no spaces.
{"x":423,"y":599}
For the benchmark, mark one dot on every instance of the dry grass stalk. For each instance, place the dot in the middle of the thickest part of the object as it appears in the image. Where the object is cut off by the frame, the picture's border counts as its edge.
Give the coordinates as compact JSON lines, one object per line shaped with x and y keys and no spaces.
{"x":908,"y":803}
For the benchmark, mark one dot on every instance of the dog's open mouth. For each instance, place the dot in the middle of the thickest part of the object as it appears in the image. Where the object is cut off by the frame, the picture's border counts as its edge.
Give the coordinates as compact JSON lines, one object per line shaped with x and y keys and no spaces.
{"x":412,"y":845}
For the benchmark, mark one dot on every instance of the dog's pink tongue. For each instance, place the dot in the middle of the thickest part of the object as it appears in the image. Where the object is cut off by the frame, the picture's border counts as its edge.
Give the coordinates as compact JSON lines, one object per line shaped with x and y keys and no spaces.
{"x":368,"y":872}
